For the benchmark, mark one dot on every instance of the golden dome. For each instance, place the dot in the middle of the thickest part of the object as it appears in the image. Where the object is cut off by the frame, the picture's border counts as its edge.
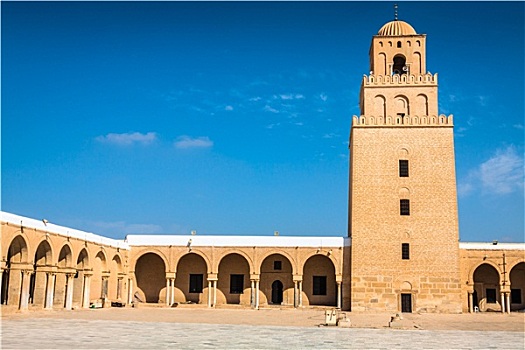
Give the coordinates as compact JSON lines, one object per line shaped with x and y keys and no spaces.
{"x":396,"y":28}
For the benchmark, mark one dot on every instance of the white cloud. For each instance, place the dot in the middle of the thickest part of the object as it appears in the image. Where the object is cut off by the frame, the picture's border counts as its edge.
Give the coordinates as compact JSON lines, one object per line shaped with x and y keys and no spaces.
{"x":330,"y":135}
{"x":501,"y":174}
{"x":128,"y":138}
{"x":228,"y":108}
{"x":518,"y":126}
{"x":185,"y":142}
{"x":255,"y":99}
{"x":267,"y":108}
{"x":290,"y":96}
{"x":323,"y":97}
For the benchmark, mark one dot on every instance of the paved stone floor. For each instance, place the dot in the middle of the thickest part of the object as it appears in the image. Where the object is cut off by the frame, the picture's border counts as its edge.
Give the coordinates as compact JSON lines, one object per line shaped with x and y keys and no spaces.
{"x":51,"y":333}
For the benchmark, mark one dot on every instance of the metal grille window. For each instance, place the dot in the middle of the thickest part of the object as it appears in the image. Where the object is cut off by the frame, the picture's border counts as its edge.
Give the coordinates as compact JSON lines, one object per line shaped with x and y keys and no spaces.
{"x":405,"y":251}
{"x":403,"y":168}
{"x":196,"y":283}
{"x":236,"y":284}
{"x":319,"y":285}
{"x":404,"y":206}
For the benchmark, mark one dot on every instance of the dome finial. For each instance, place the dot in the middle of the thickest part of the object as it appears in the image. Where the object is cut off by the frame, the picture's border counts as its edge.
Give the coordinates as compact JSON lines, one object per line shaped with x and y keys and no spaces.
{"x":395,"y":12}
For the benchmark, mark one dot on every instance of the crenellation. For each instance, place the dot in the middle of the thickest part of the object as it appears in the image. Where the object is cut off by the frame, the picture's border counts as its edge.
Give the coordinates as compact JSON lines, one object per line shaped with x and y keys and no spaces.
{"x":400,"y":80}
{"x":405,"y":121}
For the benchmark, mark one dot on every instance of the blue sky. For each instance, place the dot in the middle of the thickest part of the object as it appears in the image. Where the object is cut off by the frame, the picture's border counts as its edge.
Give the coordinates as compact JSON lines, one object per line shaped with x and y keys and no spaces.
{"x":233,"y":118}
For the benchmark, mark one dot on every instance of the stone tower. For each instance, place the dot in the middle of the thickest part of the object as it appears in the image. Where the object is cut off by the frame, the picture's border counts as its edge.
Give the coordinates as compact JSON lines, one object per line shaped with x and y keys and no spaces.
{"x":402,"y":203}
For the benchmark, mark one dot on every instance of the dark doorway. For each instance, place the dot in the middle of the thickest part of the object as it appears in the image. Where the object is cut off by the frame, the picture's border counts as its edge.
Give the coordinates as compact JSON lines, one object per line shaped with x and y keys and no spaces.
{"x":277,"y":292}
{"x":406,"y":303}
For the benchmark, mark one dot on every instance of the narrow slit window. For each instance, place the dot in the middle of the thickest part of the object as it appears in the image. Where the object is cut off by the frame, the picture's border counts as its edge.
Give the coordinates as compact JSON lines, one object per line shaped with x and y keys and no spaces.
{"x":405,"y":251}
{"x":403,"y":168}
{"x":404,"y":206}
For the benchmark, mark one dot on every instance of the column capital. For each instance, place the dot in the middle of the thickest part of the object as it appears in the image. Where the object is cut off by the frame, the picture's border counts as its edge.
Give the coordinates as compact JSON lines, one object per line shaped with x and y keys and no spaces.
{"x":21,"y":266}
{"x":255,"y":277}
{"x":297,"y":278}
{"x":212,"y":277}
{"x":67,"y":270}
{"x":171,"y":275}
{"x":46,"y":268}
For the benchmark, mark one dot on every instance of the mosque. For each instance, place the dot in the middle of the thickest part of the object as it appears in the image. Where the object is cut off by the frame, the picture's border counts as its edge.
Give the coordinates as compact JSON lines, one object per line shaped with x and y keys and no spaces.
{"x":402,"y":253}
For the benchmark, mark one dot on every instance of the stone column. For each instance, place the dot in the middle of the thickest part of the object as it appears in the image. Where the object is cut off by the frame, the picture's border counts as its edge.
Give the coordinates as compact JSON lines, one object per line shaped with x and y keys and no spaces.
{"x":130,"y":290}
{"x":24,"y":295}
{"x":50,"y":290}
{"x":168,"y":289}
{"x":87,"y":284}
{"x":295,"y":295}
{"x":214,"y":293}
{"x":1,"y":277}
{"x":257,"y":294}
{"x":172,"y":299}
{"x":502,"y":294}
{"x":338,"y":294}
{"x":209,"y":293}
{"x":119,"y":288}
{"x":252,"y":293}
{"x":508,"y":302}
{"x":104,"y":289}
{"x":69,"y":291}
{"x":470,"y":302}
{"x":300,"y":293}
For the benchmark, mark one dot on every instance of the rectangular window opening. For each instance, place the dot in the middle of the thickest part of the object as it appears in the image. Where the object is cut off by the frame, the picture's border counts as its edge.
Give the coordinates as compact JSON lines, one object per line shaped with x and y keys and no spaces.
{"x":404,"y":206}
{"x":196,"y":283}
{"x":277,"y":265}
{"x":515,"y":296}
{"x":403,"y":168}
{"x":405,"y":251}
{"x":319,"y":285}
{"x":491,"y":295}
{"x":236,"y":284}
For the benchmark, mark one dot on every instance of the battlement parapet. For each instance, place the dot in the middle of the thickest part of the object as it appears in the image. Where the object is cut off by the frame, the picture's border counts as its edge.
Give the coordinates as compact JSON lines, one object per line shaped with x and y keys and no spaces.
{"x":398,"y":121}
{"x":404,"y":79}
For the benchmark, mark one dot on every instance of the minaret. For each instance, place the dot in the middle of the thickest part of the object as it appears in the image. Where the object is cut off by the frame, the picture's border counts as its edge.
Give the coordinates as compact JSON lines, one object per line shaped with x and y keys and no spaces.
{"x":402,"y":203}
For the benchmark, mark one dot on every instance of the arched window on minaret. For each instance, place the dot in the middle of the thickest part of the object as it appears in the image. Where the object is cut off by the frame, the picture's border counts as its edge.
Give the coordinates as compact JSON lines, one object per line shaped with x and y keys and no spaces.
{"x":416,"y":63}
{"x":381,"y":69}
{"x":401,"y":108}
{"x":399,"y":66}
{"x":379,"y":106}
{"x":421,"y":105}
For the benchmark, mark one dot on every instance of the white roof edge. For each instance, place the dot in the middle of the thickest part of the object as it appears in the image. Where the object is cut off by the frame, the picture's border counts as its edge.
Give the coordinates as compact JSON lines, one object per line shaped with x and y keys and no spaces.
{"x":62,"y":230}
{"x":235,"y":241}
{"x":491,"y":246}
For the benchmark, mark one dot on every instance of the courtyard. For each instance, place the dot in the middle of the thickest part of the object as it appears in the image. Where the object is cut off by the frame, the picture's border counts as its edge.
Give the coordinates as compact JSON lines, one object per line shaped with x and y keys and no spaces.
{"x":242,"y":328}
